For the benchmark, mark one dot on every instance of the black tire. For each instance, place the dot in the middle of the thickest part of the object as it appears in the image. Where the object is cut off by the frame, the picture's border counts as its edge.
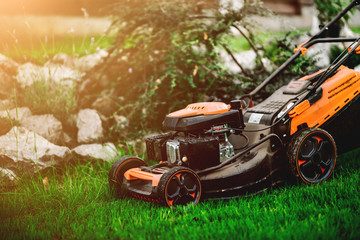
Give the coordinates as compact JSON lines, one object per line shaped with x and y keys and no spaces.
{"x":117,"y":170}
{"x":179,"y":186}
{"x":312,"y":155}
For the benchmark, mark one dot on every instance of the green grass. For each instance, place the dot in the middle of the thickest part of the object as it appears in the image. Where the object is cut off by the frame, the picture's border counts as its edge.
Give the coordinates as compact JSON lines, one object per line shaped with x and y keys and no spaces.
{"x":39,"y":50}
{"x":356,"y":29}
{"x":77,"y":205}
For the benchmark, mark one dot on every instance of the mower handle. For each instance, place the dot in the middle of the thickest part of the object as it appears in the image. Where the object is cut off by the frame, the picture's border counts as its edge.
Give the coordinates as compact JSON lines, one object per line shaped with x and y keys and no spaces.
{"x":313,"y":40}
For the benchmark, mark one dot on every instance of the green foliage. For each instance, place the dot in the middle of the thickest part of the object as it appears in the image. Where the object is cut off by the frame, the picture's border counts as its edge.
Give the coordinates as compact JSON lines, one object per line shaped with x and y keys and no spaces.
{"x":77,"y":205}
{"x":278,"y":51}
{"x":352,"y":62}
{"x":327,"y":10}
{"x":167,"y":56}
{"x":356,"y":29}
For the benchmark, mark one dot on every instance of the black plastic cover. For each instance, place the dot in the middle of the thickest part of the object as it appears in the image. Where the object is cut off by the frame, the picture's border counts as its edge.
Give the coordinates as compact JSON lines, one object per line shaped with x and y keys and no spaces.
{"x":195,"y":123}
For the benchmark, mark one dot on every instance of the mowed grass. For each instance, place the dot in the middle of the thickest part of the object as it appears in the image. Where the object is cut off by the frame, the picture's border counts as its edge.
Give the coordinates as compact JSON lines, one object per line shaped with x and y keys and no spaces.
{"x":77,"y":205}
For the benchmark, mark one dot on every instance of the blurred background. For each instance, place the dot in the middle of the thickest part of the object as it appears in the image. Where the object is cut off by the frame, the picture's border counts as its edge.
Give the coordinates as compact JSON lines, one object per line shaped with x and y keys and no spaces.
{"x":83,"y":17}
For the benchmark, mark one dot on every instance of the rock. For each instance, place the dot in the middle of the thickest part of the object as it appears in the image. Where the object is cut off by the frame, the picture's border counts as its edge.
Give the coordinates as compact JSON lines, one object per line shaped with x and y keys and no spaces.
{"x":8,"y":65}
{"x":51,"y":73}
{"x":121,"y":122}
{"x":6,"y":104}
{"x":87,"y":62}
{"x":46,"y":126}
{"x":25,"y":152}
{"x":63,"y":59}
{"x":105,"y":105}
{"x":18,"y":114}
{"x":82,"y":64}
{"x":106,"y":152}
{"x":8,"y":174}
{"x":89,"y":125}
{"x":7,"y":178}
{"x":7,"y":84}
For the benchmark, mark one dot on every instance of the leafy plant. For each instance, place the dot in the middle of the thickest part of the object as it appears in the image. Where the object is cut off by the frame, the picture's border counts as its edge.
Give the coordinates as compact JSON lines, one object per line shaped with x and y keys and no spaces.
{"x":327,"y":10}
{"x":281,"y":49}
{"x":168,"y":56}
{"x":352,"y":62}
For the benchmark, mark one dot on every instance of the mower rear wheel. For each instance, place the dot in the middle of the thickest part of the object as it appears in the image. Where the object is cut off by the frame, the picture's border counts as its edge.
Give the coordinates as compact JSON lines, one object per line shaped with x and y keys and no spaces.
{"x":312,"y":155}
{"x":117,"y":170}
{"x":179,"y":186}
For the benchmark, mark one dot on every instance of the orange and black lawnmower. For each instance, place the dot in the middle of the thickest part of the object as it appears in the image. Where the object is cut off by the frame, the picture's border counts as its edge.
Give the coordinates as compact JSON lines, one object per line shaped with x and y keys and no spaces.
{"x":215,"y":150}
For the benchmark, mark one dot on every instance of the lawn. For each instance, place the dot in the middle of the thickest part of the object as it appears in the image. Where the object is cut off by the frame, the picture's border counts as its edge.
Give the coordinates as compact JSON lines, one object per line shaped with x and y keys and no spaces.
{"x":77,"y":204}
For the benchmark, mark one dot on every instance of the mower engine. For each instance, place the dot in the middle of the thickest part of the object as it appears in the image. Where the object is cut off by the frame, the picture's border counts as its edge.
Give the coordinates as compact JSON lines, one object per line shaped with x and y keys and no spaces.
{"x":196,"y":151}
{"x":197,"y":139}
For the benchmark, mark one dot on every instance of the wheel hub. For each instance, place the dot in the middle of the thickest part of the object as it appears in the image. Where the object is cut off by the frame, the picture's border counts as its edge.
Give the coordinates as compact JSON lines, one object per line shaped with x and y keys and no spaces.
{"x":316,"y":159}
{"x":183,"y":191}
{"x":314,"y":155}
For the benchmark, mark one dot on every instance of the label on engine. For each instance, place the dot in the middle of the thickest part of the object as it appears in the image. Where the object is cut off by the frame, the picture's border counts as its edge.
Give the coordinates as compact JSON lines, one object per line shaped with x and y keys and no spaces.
{"x":255,"y":118}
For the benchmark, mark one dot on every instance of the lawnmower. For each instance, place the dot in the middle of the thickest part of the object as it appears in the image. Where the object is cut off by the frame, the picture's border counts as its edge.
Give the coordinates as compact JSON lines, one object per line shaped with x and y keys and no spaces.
{"x":212,"y":150}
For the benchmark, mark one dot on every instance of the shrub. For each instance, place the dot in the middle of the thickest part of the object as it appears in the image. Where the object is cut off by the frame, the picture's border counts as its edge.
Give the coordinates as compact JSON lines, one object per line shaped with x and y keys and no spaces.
{"x":166,"y":55}
{"x":328,"y":9}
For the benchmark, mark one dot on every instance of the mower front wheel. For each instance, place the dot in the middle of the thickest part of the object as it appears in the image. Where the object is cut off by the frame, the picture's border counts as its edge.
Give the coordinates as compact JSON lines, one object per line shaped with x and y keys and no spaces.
{"x":312,"y":155}
{"x":117,"y":170}
{"x":179,"y":186}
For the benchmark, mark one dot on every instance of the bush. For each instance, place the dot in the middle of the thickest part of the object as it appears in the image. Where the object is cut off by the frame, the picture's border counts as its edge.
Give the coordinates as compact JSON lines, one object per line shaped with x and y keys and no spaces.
{"x":166,"y":55}
{"x":328,"y":9}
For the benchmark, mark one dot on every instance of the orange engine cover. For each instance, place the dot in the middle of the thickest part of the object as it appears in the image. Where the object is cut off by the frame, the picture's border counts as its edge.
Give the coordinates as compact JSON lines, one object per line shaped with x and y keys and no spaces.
{"x":203,"y":108}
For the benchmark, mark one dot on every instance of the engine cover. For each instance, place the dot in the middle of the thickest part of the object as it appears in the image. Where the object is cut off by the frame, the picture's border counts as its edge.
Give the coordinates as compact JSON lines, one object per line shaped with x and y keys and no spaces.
{"x":201,"y":122}
{"x":197,"y":117}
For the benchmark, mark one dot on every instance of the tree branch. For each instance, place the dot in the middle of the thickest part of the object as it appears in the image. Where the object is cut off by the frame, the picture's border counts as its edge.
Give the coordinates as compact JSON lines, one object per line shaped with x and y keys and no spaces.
{"x":252,"y":45}
{"x":235,"y":60}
